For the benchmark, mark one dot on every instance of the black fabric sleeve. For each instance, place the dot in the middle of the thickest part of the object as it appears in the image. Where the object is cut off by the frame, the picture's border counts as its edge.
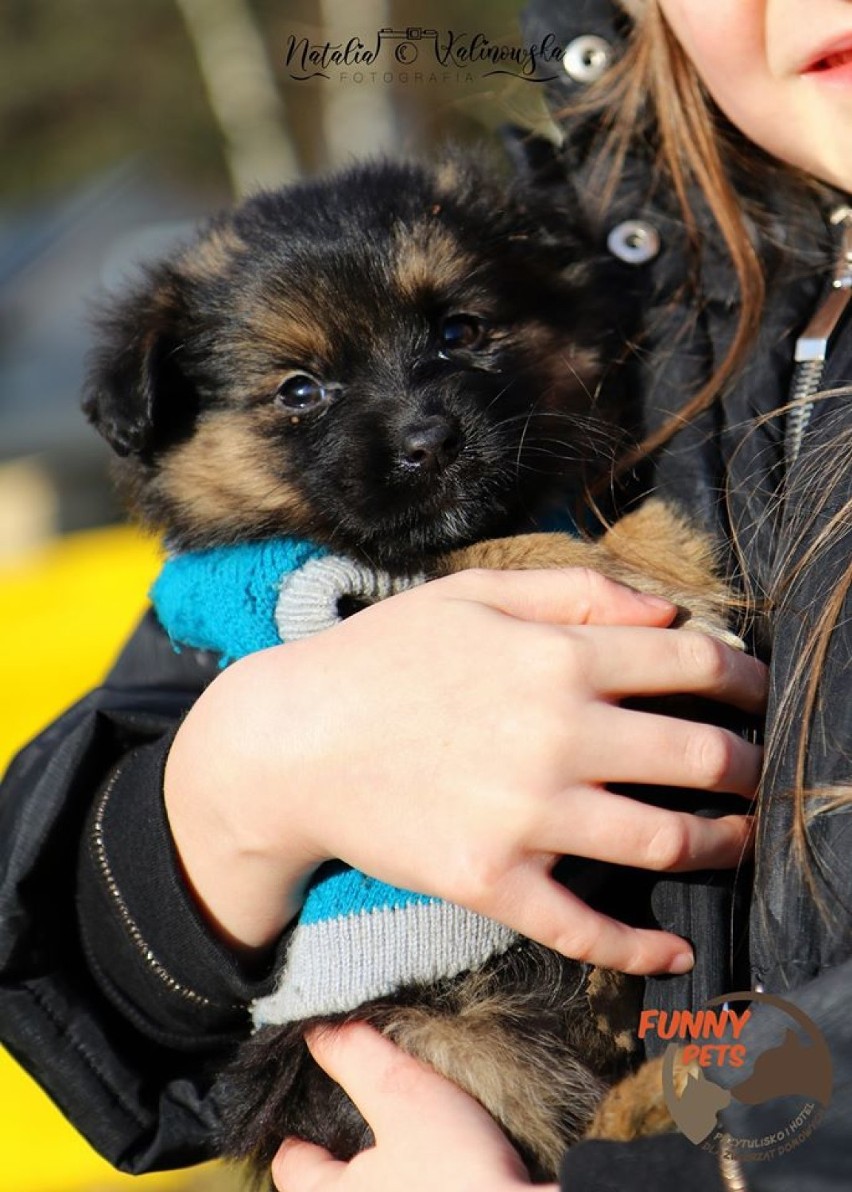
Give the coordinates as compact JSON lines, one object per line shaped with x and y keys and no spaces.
{"x":647,"y":1164}
{"x":145,"y":941}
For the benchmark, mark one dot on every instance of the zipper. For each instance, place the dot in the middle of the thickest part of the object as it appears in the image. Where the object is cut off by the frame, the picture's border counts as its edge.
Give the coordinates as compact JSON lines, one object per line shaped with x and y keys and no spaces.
{"x":730,"y":1170}
{"x":812,"y":346}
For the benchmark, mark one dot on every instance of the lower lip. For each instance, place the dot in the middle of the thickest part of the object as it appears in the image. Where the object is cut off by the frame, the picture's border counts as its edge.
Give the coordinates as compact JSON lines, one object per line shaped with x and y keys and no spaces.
{"x":839,"y":75}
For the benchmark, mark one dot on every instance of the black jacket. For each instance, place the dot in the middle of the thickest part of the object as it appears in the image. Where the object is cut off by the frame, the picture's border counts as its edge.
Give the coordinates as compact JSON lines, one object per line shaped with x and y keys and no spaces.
{"x":115,"y":996}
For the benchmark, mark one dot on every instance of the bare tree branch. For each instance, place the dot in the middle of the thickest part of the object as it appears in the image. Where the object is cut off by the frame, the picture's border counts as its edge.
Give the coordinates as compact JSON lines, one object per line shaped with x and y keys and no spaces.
{"x":242,"y":92}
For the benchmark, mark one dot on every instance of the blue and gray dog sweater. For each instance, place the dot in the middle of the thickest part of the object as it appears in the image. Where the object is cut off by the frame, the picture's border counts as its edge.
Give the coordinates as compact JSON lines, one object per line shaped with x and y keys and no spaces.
{"x":356,"y":938}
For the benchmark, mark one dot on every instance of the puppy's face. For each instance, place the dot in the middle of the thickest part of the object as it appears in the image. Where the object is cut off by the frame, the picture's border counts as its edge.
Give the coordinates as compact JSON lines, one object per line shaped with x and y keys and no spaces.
{"x":393,"y":362}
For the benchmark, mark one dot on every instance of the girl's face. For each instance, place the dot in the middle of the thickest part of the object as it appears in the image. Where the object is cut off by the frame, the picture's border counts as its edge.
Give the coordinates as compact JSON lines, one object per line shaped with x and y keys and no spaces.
{"x":781,"y":71}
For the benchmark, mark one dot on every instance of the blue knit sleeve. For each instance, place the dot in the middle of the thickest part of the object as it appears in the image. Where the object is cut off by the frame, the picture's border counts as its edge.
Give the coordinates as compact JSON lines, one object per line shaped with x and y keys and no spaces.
{"x":224,"y":599}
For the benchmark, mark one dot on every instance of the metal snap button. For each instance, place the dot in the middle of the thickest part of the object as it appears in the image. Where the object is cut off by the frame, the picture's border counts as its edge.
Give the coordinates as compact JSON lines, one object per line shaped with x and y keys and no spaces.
{"x":634,"y":241}
{"x":586,"y":58}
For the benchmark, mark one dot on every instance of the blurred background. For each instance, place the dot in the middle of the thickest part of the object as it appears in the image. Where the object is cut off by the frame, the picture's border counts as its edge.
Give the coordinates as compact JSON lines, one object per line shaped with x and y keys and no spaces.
{"x":123,"y":123}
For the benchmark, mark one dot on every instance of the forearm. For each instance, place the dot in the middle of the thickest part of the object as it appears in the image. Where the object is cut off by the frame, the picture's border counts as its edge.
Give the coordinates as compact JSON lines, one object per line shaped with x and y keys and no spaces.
{"x":145,"y":941}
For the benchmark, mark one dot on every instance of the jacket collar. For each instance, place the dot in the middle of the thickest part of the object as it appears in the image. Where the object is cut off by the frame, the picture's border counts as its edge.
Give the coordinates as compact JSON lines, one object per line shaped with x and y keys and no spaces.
{"x":794,"y":238}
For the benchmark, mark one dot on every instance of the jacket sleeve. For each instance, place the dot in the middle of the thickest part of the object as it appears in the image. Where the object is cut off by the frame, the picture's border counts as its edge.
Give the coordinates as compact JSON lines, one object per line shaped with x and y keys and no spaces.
{"x":113,"y":995}
{"x":666,"y":1161}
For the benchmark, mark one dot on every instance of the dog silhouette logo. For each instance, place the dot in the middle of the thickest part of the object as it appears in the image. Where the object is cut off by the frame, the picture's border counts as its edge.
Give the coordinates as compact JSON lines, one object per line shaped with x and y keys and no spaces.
{"x":698,"y":1105}
{"x":795,"y":1071}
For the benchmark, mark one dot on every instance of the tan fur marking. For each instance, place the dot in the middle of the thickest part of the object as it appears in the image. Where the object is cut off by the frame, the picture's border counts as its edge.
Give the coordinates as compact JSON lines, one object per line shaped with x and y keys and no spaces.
{"x":219,"y":481}
{"x":634,"y":1108}
{"x":615,"y":1000}
{"x":449,"y":177}
{"x":531,"y":1094}
{"x":211,"y":257}
{"x":428,"y":256}
{"x":583,"y":363}
{"x":291,"y":329}
{"x":561,"y":363}
{"x":656,"y":537}
{"x":293,"y":332}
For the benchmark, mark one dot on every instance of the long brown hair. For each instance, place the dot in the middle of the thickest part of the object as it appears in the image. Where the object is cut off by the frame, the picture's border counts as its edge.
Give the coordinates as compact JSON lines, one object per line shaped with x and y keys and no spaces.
{"x":653,"y":97}
{"x":653,"y":94}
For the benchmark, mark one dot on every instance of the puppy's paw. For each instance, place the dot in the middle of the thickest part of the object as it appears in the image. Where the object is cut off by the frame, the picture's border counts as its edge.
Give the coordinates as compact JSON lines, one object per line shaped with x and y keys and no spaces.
{"x":714,"y":627}
{"x":634,"y":1108}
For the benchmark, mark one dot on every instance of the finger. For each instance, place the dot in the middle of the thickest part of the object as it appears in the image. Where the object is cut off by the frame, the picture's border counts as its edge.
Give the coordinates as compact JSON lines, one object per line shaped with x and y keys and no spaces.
{"x":303,"y":1167}
{"x":570,"y":596}
{"x":393,"y":1091}
{"x":537,"y":906}
{"x":648,"y":837}
{"x":649,"y":749}
{"x":658,"y":662}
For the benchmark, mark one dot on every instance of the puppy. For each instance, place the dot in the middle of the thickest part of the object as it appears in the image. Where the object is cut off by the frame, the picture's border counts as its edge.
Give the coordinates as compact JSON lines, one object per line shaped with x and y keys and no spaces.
{"x":400,"y":364}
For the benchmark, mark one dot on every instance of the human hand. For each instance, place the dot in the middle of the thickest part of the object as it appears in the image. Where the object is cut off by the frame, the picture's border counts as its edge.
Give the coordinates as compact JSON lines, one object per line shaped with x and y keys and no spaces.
{"x":456,"y":740}
{"x":429,"y":1134}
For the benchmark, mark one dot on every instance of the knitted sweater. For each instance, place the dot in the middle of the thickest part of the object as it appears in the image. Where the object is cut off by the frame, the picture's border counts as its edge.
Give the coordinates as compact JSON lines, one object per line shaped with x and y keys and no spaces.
{"x":356,"y":938}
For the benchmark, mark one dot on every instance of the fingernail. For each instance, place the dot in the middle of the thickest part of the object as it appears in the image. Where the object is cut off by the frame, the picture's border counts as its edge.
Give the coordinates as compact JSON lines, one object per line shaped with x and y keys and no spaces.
{"x":655,"y":601}
{"x":684,"y":962}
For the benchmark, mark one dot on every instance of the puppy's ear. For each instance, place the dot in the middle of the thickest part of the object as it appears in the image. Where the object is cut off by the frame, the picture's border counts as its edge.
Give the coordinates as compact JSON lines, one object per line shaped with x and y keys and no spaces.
{"x":135,"y":388}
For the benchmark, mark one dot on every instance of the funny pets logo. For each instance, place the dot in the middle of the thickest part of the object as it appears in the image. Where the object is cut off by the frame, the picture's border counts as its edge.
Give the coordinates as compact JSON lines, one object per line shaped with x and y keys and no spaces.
{"x":713,"y":1062}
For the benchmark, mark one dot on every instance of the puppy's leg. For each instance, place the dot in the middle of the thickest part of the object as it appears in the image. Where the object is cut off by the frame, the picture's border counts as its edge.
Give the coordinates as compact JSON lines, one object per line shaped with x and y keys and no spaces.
{"x":652,"y":549}
{"x":518,"y":1035}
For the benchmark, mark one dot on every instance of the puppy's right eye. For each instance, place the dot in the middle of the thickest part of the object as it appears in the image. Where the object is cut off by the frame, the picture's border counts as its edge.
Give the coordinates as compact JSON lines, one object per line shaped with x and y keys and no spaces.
{"x":301,"y":392}
{"x":461,"y":331}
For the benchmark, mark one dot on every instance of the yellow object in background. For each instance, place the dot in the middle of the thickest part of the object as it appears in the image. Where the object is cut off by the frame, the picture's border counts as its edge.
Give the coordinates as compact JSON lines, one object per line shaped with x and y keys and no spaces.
{"x":65,"y":610}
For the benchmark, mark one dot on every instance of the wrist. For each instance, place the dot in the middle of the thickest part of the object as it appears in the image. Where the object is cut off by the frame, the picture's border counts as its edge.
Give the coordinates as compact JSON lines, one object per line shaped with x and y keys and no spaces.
{"x":247,"y":875}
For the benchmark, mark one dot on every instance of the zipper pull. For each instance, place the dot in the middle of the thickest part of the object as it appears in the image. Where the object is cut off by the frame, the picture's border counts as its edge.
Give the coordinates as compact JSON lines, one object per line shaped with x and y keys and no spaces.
{"x":813,"y":342}
{"x":812,"y":345}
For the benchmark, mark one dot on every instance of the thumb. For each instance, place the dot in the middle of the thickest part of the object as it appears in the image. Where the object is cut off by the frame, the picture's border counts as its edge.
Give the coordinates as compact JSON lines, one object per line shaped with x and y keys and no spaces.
{"x":393,"y":1091}
{"x":303,"y":1165}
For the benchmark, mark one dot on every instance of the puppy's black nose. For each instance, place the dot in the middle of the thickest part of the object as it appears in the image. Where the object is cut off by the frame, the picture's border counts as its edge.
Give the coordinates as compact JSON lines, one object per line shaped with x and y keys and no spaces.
{"x":431,"y":444}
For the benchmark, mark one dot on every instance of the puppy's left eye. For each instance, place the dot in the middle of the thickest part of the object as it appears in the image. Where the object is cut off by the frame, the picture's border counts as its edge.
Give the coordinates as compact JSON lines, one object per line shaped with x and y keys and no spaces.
{"x":301,"y":392}
{"x":462,"y":332}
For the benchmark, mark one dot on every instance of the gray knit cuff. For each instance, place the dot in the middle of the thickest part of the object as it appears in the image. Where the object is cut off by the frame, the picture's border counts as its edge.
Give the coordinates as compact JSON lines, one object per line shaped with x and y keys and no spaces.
{"x":309,"y":597}
{"x":336,"y":965}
